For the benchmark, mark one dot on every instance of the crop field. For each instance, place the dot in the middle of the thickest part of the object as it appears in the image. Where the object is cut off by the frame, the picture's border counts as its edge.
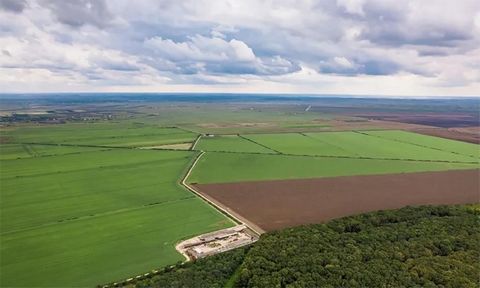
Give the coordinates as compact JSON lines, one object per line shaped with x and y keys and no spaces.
{"x":361,"y":144}
{"x":236,"y":167}
{"x":100,"y":134}
{"x":17,"y":151}
{"x":230,"y":143}
{"x":95,"y":216}
{"x":278,"y":204}
{"x":89,"y":202}
{"x":453,"y":146}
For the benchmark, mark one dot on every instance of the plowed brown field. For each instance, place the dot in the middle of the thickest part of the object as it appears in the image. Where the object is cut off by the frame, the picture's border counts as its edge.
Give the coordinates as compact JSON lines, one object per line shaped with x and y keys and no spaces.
{"x":468,"y":134}
{"x":284,"y":203}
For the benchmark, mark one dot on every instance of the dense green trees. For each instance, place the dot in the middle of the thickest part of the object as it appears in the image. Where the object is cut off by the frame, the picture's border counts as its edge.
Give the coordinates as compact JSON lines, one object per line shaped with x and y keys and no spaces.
{"x":426,"y":246}
{"x":411,"y":247}
{"x":212,"y":272}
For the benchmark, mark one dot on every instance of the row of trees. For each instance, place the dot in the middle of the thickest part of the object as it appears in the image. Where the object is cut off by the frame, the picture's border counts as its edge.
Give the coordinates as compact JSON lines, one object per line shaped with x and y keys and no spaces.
{"x":213,"y":271}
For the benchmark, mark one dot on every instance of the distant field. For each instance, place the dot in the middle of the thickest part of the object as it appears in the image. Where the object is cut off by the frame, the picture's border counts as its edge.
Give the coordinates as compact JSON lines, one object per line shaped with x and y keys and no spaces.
{"x":235,"y":167}
{"x":96,"y":216}
{"x":230,"y":143}
{"x":359,"y":144}
{"x":377,"y":147}
{"x":15,"y":151}
{"x":103,"y":134}
{"x":298,"y":144}
{"x":453,"y":146}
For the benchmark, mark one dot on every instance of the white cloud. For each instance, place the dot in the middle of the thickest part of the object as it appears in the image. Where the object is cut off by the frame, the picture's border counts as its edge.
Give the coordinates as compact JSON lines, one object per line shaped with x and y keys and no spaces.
{"x":322,"y":46}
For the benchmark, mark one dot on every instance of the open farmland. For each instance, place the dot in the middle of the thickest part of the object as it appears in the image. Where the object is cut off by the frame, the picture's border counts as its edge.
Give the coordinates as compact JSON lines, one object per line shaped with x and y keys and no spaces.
{"x":88,"y":217}
{"x":279,"y":204}
{"x":230,"y":143}
{"x":456,"y":147}
{"x":122,"y":134}
{"x":236,"y":167}
{"x":17,"y":151}
{"x":369,"y":144}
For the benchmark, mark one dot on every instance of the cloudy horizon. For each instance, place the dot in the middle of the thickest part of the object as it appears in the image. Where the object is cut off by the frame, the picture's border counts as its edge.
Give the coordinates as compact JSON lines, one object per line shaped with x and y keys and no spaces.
{"x":358,"y":47}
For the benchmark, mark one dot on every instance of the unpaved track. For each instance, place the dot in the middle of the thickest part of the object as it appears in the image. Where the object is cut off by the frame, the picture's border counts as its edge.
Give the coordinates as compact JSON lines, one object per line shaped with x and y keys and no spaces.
{"x":278,"y":204}
{"x":212,"y":201}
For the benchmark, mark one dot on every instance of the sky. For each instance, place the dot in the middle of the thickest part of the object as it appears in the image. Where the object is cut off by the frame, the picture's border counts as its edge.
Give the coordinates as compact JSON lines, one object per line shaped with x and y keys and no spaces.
{"x":361,"y":47}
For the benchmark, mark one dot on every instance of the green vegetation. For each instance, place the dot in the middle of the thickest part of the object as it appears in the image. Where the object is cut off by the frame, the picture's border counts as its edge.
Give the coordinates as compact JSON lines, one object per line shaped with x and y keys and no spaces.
{"x":106,"y":248}
{"x":363,"y":145}
{"x":298,"y":144}
{"x":93,"y":217}
{"x":213,"y":271}
{"x":457,"y":147}
{"x":101,"y":134}
{"x":410,"y":247}
{"x":16,"y":151}
{"x":235,"y":167}
{"x":230,"y":143}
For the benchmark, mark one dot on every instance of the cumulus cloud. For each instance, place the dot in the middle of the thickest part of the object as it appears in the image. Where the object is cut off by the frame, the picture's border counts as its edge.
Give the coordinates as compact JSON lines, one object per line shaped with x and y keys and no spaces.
{"x":285,"y":45}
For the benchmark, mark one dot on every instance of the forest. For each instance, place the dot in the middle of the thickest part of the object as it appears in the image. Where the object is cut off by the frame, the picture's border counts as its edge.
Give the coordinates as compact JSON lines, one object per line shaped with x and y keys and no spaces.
{"x":428,"y":246}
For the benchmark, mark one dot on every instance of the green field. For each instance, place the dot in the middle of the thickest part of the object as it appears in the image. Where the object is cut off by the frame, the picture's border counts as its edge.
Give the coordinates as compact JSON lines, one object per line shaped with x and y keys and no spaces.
{"x":76,"y":213}
{"x":92,"y":217}
{"x":100,"y":134}
{"x":235,"y":167}
{"x":298,"y":144}
{"x":17,"y":151}
{"x":456,"y":147}
{"x":346,"y":153}
{"x":359,"y":144}
{"x":230,"y":143}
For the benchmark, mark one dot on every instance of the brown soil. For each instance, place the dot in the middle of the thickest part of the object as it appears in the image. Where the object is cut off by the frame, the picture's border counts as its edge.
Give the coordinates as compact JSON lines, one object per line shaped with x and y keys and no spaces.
{"x":428,"y":119}
{"x":285,"y":203}
{"x":467,"y":134}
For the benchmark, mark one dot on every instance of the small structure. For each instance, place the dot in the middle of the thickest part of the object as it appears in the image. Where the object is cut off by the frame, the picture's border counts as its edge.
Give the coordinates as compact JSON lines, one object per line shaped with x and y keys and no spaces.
{"x":216,"y":242}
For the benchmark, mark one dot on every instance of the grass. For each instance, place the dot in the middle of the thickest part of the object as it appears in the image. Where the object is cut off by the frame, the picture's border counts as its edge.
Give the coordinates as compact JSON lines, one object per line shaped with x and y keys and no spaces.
{"x":458,"y":147}
{"x":230,"y":143}
{"x":98,"y":216}
{"x":16,"y":151}
{"x":235,"y":167}
{"x":299,"y":144}
{"x":122,"y":134}
{"x":364,"y":145}
{"x":103,"y":249}
{"x":360,"y":144}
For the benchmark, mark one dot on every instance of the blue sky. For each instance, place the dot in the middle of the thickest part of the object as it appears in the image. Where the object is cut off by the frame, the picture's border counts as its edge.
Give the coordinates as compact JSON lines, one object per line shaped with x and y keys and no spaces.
{"x":372,"y":47}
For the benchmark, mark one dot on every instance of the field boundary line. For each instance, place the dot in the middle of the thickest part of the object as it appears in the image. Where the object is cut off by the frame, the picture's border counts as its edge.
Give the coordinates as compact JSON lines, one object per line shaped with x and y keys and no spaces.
{"x":327,"y":143}
{"x":415,"y":144}
{"x":259,"y":144}
{"x":196,"y":141}
{"x":224,"y":210}
{"x":344,"y":157}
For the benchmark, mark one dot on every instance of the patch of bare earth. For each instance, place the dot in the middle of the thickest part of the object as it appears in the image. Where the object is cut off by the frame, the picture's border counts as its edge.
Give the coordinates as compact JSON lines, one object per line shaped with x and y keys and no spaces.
{"x":278,"y":204}
{"x":465,"y":134}
{"x":179,"y":146}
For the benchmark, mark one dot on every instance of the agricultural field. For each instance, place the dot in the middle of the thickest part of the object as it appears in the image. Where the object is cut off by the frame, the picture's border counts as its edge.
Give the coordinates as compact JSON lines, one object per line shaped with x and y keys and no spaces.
{"x":456,"y":147}
{"x":346,"y":153}
{"x":122,"y":134}
{"x":278,"y":204}
{"x":230,"y":143}
{"x":80,"y":216}
{"x":366,"y":145}
{"x":236,"y":167}
{"x":17,"y":151}
{"x":93,"y":194}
